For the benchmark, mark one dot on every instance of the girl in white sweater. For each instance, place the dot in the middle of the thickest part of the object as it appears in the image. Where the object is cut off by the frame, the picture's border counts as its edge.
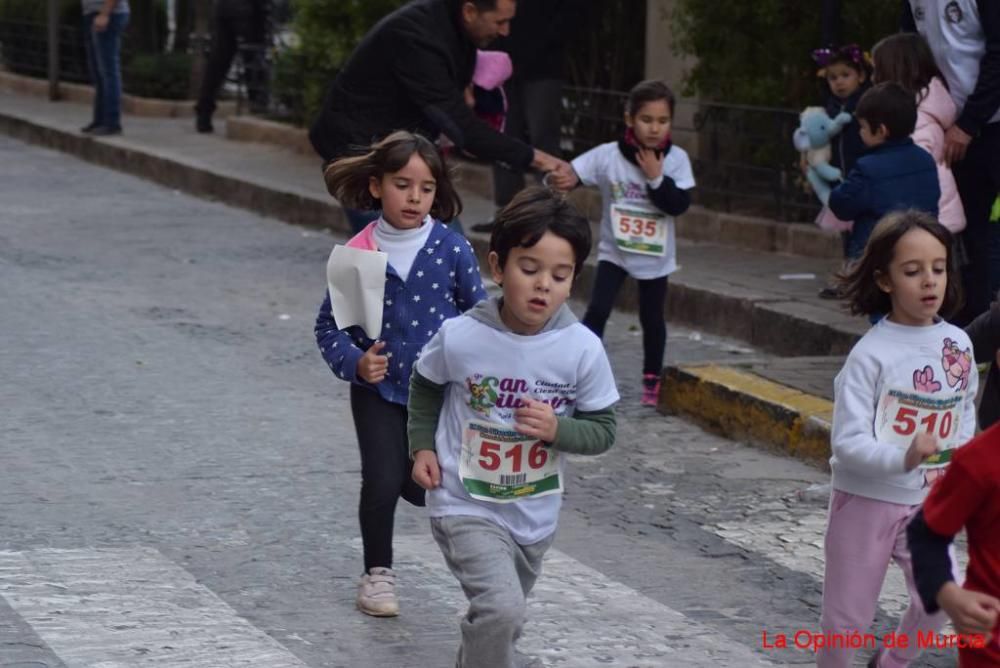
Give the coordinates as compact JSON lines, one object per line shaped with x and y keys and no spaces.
{"x":904,"y":399}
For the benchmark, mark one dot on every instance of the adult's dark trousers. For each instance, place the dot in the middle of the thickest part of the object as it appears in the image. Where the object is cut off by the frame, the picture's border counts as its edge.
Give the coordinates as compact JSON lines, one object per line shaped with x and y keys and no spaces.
{"x":236,"y":25}
{"x":532,"y":116}
{"x":652,"y":295}
{"x":978,"y":179}
{"x":385,"y":471}
{"x":103,"y":50}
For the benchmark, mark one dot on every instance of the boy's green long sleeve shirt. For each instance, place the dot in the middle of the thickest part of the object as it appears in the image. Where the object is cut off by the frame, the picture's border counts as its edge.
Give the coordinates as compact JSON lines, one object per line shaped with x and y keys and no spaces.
{"x":585,"y":433}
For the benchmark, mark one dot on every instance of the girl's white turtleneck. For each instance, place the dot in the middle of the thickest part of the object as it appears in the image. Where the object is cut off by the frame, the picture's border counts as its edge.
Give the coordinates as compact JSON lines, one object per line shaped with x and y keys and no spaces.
{"x":402,"y":246}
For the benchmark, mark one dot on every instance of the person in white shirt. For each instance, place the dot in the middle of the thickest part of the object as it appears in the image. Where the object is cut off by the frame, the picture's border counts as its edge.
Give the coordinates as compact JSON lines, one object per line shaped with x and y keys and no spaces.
{"x":497,"y":398}
{"x":645,"y":180}
{"x":903,"y":401}
{"x":964,"y":36}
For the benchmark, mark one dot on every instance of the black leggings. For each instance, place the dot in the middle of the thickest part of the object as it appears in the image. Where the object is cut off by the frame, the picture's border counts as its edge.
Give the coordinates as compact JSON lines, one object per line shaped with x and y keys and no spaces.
{"x":652,"y":294}
{"x":385,"y":471}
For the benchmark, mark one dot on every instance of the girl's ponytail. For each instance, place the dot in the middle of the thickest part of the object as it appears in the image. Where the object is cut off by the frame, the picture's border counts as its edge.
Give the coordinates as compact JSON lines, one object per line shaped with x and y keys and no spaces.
{"x":347,"y":180}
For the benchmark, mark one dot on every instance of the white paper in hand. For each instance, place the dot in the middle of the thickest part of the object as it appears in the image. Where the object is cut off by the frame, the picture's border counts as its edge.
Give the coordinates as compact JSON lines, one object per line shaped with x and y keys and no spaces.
{"x":356,"y":278}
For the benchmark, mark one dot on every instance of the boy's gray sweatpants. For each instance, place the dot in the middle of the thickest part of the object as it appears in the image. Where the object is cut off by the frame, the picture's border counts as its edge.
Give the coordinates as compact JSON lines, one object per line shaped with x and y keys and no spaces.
{"x":496,"y":574}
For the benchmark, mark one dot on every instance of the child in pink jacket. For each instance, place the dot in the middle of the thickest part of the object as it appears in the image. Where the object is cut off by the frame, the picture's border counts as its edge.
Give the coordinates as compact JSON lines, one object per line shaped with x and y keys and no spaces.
{"x":906,"y":59}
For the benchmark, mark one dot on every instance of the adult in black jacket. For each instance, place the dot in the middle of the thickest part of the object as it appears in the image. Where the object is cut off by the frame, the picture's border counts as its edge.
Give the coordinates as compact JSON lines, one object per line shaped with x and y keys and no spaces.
{"x":964,"y":36}
{"x":410,"y":72}
{"x":537,"y":46}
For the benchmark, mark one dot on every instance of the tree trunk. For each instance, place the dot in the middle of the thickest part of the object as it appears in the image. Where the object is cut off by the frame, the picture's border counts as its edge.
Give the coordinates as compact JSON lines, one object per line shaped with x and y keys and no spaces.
{"x":199,"y":40}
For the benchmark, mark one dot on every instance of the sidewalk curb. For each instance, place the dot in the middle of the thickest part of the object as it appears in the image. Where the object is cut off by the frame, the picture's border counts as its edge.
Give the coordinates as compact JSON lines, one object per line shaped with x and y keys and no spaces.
{"x":760,"y":322}
{"x":697,"y":224}
{"x":744,"y":406}
{"x":131,"y":104}
{"x":285,"y":205}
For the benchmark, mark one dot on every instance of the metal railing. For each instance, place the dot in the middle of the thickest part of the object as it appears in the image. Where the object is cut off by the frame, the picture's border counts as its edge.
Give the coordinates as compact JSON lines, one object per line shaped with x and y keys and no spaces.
{"x":24,"y":50}
{"x":742,"y":156}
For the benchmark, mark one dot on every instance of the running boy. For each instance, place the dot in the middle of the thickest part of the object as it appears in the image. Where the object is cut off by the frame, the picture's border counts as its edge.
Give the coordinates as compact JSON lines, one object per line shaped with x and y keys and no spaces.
{"x":893,"y":175}
{"x":496,"y":397}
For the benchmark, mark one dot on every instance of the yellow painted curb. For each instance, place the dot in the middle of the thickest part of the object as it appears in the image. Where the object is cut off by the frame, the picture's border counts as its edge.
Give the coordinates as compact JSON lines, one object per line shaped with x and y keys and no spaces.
{"x":742,"y":405}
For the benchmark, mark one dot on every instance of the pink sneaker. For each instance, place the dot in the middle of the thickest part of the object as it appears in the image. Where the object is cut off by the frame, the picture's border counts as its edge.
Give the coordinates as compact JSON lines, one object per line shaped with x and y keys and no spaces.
{"x":650,"y":389}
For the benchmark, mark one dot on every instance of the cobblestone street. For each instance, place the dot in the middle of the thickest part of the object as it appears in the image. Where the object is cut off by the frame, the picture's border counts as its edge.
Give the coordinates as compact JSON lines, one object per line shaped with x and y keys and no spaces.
{"x":180,"y":471}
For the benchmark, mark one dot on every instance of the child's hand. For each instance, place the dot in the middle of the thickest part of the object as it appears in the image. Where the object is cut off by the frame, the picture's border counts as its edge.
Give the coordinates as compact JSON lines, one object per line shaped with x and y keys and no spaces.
{"x":372,"y":366}
{"x":562,"y":179}
{"x":426,"y":471}
{"x":537,"y":420}
{"x":651,"y":166}
{"x":970,"y":611}
{"x":922,"y":447}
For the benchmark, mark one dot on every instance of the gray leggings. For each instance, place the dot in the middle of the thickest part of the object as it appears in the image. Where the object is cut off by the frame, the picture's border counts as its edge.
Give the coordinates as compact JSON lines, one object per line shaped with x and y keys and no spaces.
{"x":496,"y":574}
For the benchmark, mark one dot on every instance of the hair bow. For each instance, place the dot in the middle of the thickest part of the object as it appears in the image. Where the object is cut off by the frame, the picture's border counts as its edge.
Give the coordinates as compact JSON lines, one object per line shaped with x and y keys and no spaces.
{"x":825,"y":55}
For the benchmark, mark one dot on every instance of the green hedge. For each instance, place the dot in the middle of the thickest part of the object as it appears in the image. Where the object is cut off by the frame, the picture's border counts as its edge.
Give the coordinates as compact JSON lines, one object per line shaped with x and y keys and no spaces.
{"x":162,"y":75}
{"x":758,"y":52}
{"x":327,"y":32}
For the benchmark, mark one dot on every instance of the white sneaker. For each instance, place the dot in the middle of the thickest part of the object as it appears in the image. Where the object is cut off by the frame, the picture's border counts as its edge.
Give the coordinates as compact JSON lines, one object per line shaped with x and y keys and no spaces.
{"x":377,"y":593}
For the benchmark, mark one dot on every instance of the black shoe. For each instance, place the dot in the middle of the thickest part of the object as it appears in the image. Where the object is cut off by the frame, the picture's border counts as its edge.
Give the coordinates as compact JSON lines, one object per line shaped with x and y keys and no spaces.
{"x":486,"y":227}
{"x":873,"y":662}
{"x":203,"y":124}
{"x":87,"y":129}
{"x":105,"y":131}
{"x":831,"y":293}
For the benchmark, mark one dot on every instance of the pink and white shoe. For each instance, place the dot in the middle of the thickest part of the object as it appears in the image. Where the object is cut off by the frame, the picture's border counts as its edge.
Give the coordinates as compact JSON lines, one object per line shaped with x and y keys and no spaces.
{"x":650,"y":389}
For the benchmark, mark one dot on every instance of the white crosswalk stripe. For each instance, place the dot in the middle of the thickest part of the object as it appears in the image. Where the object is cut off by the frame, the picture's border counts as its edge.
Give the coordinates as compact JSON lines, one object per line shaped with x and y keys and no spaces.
{"x":798,"y":545}
{"x":111,"y":608}
{"x":579,"y":618}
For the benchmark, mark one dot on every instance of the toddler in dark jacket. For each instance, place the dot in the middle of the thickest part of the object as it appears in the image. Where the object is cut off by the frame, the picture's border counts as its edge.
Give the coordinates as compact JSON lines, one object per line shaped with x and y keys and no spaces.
{"x":894,"y":174}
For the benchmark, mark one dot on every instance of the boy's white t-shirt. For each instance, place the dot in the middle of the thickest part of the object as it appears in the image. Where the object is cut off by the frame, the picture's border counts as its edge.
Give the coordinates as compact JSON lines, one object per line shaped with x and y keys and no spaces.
{"x":899,"y":381}
{"x":486,"y":370}
{"x":622,"y":183}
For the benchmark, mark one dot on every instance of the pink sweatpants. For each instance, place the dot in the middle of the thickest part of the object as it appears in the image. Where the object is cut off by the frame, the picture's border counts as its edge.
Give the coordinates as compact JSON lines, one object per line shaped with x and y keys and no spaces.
{"x":862,"y":535}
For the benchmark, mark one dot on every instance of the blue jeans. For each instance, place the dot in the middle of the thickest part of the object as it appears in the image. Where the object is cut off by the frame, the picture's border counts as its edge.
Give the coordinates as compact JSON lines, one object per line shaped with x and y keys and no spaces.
{"x":104,"y":61}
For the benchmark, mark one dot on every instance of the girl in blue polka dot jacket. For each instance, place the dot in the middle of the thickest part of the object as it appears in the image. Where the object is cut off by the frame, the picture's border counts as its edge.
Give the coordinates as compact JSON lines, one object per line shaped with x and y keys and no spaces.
{"x":432,"y":275}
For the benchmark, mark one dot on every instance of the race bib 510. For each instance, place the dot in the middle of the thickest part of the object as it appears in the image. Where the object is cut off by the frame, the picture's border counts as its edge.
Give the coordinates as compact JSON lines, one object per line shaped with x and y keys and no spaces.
{"x":902,"y":414}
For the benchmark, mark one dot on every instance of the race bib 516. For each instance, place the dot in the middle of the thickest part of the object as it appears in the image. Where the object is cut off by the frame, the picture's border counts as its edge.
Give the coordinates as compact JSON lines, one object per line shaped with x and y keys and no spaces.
{"x":502,"y":465}
{"x":902,"y":414}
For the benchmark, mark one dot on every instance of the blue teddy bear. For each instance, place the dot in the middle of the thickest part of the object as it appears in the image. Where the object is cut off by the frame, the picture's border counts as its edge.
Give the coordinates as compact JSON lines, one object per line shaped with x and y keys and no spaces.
{"x":812,"y":137}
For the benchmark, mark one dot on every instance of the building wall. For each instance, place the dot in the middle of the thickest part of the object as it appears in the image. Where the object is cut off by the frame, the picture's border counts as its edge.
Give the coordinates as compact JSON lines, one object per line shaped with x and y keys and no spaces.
{"x":662,"y":63}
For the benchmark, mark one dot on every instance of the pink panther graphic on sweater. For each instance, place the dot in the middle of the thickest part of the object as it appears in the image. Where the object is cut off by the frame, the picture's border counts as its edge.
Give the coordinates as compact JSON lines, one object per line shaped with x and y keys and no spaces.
{"x":957,"y":365}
